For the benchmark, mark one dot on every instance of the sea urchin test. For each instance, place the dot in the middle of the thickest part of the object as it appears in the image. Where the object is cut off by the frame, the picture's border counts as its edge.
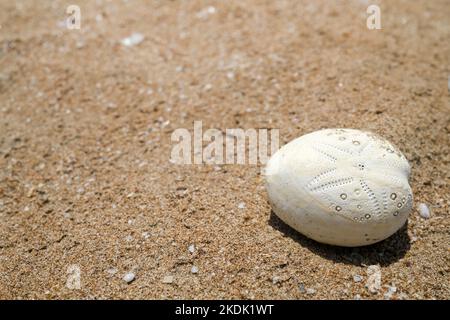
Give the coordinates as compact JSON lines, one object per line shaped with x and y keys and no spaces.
{"x":340,"y":186}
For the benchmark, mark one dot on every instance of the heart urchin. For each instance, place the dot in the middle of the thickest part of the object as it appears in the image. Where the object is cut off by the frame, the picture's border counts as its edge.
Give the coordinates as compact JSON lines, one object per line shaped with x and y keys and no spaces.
{"x":340,"y":186}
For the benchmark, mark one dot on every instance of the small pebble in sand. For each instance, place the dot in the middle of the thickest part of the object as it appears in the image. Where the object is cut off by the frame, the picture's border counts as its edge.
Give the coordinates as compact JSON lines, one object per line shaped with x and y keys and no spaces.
{"x":112,"y":271}
{"x":310,"y":291}
{"x":424,"y":211}
{"x":191,"y":248}
{"x":241,"y":205}
{"x":301,"y":288}
{"x":373,"y":283}
{"x":203,"y":14}
{"x":194,"y":269}
{"x":167,"y":279}
{"x":133,"y":40}
{"x":80,"y":44}
{"x":129,"y":277}
{"x":230,"y":75}
{"x":357,"y":278}
{"x":30,"y":192}
{"x":390,"y":292}
{"x":67,"y":214}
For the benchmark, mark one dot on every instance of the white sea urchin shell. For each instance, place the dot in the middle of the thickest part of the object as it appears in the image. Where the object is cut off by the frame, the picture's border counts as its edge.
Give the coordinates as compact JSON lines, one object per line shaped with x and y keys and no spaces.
{"x":340,"y":186}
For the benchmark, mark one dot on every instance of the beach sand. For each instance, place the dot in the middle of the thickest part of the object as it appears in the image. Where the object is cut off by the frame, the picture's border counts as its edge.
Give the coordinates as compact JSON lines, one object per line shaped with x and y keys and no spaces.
{"x":87,"y":191}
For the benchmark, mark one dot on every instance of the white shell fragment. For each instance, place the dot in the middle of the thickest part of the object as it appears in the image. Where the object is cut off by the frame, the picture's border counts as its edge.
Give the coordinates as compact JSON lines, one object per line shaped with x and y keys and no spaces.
{"x":129,"y":277}
{"x":424,"y":211}
{"x":340,"y":186}
{"x":167,"y":279}
{"x":194,"y":269}
{"x":133,"y":40}
{"x":373,"y":283}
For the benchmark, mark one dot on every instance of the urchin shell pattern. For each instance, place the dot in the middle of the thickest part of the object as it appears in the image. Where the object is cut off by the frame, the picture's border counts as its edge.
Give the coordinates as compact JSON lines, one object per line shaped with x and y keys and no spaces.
{"x":340,"y":186}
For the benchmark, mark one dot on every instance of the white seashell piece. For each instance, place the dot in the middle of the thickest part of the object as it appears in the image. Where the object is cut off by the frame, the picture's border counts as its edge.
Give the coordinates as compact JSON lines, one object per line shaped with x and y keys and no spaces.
{"x":340,"y":186}
{"x":424,"y":211}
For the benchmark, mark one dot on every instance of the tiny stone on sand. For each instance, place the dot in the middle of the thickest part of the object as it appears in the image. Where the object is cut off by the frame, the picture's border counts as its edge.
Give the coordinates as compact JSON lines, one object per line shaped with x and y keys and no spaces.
{"x":241,"y":205}
{"x":168,"y":279}
{"x":194,"y":269}
{"x":310,"y":291}
{"x":129,"y":277}
{"x":191,"y":248}
{"x":301,"y":288}
{"x":112,"y":271}
{"x":133,"y":40}
{"x":390,"y":292}
{"x":206,"y":12}
{"x":373,"y":283}
{"x":424,"y":211}
{"x":357,"y":278}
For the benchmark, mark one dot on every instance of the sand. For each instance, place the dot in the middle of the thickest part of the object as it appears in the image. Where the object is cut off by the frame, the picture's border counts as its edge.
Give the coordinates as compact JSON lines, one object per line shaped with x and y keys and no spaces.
{"x":86,"y":185}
